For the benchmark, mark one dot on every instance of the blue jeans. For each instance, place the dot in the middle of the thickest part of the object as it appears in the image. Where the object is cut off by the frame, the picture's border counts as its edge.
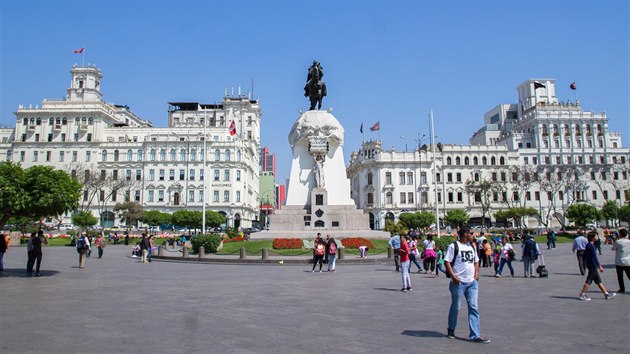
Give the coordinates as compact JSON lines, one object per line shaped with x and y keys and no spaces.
{"x":509,"y":263}
{"x":470,"y":291}
{"x":332,"y":258}
{"x":412,"y":258}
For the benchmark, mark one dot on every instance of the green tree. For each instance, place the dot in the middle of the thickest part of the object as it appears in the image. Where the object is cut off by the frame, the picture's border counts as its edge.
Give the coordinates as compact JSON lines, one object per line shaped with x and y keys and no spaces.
{"x":395,"y":228}
{"x":84,"y":219}
{"x":516,"y":215}
{"x":214,"y":219}
{"x":188,"y":218}
{"x":25,"y":224}
{"x":155,"y":217}
{"x":457,"y":217}
{"x":36,"y":192}
{"x":581,"y":214}
{"x":610,"y":210}
{"x":131,"y":212}
{"x":624,"y":213}
{"x":417,"y":220}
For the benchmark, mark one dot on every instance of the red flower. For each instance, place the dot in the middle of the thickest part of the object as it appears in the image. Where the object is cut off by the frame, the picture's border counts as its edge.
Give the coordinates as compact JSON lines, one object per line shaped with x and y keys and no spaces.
{"x":356,"y":242}
{"x":287,"y":243}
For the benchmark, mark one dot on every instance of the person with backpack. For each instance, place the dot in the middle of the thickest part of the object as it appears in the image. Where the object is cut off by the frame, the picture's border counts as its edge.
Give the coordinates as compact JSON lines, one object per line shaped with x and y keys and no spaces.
{"x":83,"y":246}
{"x":320,"y":249}
{"x":506,"y":257}
{"x":331,"y":247}
{"x":462,"y":266}
{"x":530,"y":255}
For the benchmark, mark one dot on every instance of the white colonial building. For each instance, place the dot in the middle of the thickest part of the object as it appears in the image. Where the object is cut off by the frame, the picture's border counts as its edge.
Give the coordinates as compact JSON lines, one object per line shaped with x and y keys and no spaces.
{"x":120,"y":157}
{"x":538,"y":153}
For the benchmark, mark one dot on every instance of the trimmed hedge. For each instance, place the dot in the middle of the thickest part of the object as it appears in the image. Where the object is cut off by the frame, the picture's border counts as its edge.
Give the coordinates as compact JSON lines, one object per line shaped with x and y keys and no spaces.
{"x":210,"y":242}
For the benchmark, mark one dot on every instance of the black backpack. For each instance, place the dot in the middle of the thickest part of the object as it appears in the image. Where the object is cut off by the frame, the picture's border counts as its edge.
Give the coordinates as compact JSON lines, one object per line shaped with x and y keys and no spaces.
{"x":455,"y":252}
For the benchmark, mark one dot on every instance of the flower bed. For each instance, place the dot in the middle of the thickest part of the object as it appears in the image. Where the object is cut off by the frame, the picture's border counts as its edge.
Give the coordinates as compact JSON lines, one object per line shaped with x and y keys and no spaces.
{"x":355,"y":242}
{"x":234,"y":239}
{"x":287,"y":243}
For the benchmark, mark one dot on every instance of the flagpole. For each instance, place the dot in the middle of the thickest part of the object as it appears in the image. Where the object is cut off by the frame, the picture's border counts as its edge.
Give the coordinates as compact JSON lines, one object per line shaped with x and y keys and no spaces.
{"x":437,"y":204}
{"x":362,"y":133}
{"x":83,"y":56}
{"x":205,"y":171}
{"x":379,"y":130}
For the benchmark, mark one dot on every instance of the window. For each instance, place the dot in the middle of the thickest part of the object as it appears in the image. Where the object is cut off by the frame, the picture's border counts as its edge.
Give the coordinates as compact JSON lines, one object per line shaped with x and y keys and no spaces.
{"x":466,"y":161}
{"x":36,"y":137}
{"x":476,"y":177}
{"x":140,"y":155}
{"x":370,"y":198}
{"x":35,"y":156}
{"x":217,"y":155}
{"x":503,"y":177}
{"x":458,"y":161}
{"x":409,"y":177}
{"x":528,"y":195}
{"x":226,"y":175}
{"x":238,"y":196}
{"x":151,"y":175}
{"x":50,"y":137}
{"x":201,"y":175}
{"x":74,"y":156}
{"x":494,"y":176}
{"x":423,"y":178}
{"x":227,"y":155}
{"x":160,"y":196}
{"x":460,"y":196}
{"x":171,"y":175}
{"x":450,"y":197}
{"x":191,"y":174}
{"x":238,"y":155}
{"x":493,"y":160}
{"x":191,"y":196}
{"x":594,"y":195}
{"x":76,"y":136}
{"x":226,"y":196}
{"x":389,"y":198}
{"x":48,"y":153}
{"x":216,"y":175}
{"x":182,"y":174}
{"x":173,"y":155}
{"x":161,"y":175}
{"x":439,"y":195}
{"x":138,"y":175}
{"x":484,"y":160}
{"x":238,"y":175}
{"x":403,"y":198}
{"x":193,"y":154}
{"x":438,"y":177}
{"x":182,"y":155}
{"x":458,"y":177}
{"x":536,"y":195}
{"x":128,"y":175}
{"x":137,"y":196}
{"x":150,"y":197}
{"x":475,"y":161}
{"x":215,"y":196}
{"x":369,"y":179}
{"x":115,"y":175}
{"x":388,"y":178}
{"x":104,"y":155}
{"x":401,"y":176}
{"x":162,"y":154}
{"x":116,"y":155}
{"x":88,"y":156}
{"x":62,"y":156}
{"x":449,"y":161}
{"x":410,"y":197}
{"x":200,"y":197}
{"x":449,"y":177}
{"x":424,"y":197}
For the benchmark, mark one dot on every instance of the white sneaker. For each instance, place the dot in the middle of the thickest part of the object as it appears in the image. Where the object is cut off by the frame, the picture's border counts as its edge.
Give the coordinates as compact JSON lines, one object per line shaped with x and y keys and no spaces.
{"x":583,"y":297}
{"x":610,"y":296}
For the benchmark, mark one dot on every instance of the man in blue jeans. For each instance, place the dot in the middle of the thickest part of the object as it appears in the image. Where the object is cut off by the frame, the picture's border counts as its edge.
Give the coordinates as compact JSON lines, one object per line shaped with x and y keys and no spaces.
{"x":462,"y":265}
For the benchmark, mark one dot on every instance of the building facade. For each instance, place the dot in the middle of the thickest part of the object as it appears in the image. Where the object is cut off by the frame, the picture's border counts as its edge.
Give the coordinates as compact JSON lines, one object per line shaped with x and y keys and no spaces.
{"x":120,"y":157}
{"x":538,"y":153}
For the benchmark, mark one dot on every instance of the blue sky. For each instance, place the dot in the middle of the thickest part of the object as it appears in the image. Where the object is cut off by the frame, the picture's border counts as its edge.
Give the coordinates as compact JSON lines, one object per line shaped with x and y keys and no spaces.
{"x":391,"y":61}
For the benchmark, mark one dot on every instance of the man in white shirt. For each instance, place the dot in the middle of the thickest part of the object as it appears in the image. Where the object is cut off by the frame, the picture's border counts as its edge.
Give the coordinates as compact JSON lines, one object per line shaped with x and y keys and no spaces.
{"x":462,"y":266}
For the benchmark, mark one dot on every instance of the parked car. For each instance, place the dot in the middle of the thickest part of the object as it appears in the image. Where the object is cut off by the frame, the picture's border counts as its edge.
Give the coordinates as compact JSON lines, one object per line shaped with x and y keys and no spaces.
{"x":66,"y":227}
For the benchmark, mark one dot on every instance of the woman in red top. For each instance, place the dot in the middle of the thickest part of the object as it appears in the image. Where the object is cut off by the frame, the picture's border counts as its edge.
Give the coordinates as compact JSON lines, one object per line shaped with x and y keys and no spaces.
{"x":404,"y":265}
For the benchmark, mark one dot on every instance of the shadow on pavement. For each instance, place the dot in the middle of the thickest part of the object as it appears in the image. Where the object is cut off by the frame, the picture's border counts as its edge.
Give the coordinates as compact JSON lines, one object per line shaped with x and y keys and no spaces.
{"x":423,"y":334}
{"x":21,"y":273}
{"x":575,"y":298}
{"x":387,"y":289}
{"x":567,"y":274}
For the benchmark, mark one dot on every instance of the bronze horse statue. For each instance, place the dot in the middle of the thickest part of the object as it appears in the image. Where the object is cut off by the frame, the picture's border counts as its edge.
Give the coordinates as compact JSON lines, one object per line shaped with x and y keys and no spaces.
{"x":315,"y":88}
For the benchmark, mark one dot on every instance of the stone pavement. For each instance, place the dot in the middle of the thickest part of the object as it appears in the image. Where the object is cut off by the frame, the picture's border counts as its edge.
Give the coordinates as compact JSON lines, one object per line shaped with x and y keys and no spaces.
{"x":117,"y":304}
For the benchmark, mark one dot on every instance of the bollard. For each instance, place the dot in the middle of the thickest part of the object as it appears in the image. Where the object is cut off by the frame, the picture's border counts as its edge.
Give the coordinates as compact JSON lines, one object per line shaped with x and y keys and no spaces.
{"x":185,"y":251}
{"x":342,"y":253}
{"x":161,"y":250}
{"x":265,"y":253}
{"x":243,"y":253}
{"x":390,"y":253}
{"x":202,"y":252}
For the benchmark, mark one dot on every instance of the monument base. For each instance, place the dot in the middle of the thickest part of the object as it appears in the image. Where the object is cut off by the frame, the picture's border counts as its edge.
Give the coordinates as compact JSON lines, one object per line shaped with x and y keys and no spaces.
{"x":309,"y":235}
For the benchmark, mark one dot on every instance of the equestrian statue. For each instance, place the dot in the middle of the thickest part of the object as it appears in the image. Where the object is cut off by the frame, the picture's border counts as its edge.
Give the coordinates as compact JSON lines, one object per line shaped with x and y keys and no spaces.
{"x":315,"y":88}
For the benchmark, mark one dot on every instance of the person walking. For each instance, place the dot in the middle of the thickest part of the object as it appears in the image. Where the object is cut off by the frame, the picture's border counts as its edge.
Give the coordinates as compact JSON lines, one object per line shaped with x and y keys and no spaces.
{"x":593,"y":265}
{"x":579,"y":245}
{"x":462,"y":266}
{"x":320,"y":249}
{"x":414,"y":254}
{"x":622,"y":258}
{"x":83,"y":246}
{"x":394,"y":244}
{"x":144,"y":248}
{"x":506,"y":252}
{"x":35,"y":252}
{"x":404,"y":265}
{"x":551,"y":239}
{"x":100,"y":244}
{"x":530,"y":255}
{"x":4,"y":246}
{"x":150,"y":248}
{"x":429,"y":254}
{"x":331,"y":247}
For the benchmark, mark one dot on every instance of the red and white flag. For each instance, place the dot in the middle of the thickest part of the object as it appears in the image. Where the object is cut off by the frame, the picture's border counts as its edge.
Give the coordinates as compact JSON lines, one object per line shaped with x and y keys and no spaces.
{"x":79,"y":51}
{"x":375,"y":127}
{"x":233,"y":128}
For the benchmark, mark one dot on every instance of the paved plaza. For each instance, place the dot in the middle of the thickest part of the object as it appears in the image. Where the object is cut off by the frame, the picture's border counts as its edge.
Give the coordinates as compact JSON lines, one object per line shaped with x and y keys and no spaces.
{"x":117,"y":304}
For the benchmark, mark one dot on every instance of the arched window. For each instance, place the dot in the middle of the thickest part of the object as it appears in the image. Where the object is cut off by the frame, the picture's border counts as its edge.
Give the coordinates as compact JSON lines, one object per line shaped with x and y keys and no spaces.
{"x":466,"y":161}
{"x":104,"y":155}
{"x":458,"y":161}
{"x":228,"y":154}
{"x":493,"y":160}
{"x":90,"y":121}
{"x":502,"y":160}
{"x":51,"y":120}
{"x":217,"y":155}
{"x":484,"y":160}
{"x":369,"y":179}
{"x":238,"y":155}
{"x":162,"y":154}
{"x":140,"y":155}
{"x":173,"y":155}
{"x":116,"y":155}
{"x":193,"y":154}
{"x":25,"y":122}
{"x":475,"y":161}
{"x":388,"y":198}
{"x":476,"y":177}
{"x":129,"y":155}
{"x":38,"y":121}
{"x":152,"y":155}
{"x":449,"y":161}
{"x":182,"y":155}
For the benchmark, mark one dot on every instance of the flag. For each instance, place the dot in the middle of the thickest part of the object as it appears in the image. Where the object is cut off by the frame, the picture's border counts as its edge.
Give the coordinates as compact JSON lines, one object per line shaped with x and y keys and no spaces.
{"x":233,"y":128}
{"x":538,"y":85}
{"x":375,"y":127}
{"x":361,"y":129}
{"x":573,"y":86}
{"x":79,"y":51}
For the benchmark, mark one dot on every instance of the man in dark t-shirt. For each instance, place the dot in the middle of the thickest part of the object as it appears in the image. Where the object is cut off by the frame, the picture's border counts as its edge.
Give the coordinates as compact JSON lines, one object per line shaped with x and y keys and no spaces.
{"x":35,"y":252}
